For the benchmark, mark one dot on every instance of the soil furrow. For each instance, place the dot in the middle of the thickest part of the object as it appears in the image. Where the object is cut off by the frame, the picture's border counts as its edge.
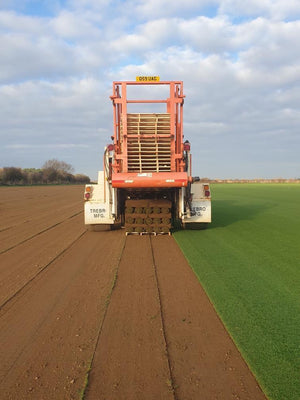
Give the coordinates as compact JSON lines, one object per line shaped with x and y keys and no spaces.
{"x":171,"y":384}
{"x":49,"y":333}
{"x":9,"y":221}
{"x":31,"y":210}
{"x":39,"y":233}
{"x":131,"y":361}
{"x":205,"y":362}
{"x":20,"y":234}
{"x":107,"y":302}
{"x":20,"y":204}
{"x":18,"y":272}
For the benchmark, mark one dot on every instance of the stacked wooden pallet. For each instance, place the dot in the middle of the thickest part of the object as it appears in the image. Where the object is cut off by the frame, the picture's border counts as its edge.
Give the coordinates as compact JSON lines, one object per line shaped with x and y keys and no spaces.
{"x":148,"y":216}
{"x":149,"y":142}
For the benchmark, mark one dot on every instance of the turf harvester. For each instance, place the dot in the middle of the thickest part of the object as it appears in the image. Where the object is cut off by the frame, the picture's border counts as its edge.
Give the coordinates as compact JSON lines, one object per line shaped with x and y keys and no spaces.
{"x":146,"y":184}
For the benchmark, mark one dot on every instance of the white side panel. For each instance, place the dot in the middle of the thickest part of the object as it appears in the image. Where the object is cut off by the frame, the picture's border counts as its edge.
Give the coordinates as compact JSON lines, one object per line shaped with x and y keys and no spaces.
{"x":97,"y":193}
{"x":201,"y":210}
{"x":197,"y":190}
{"x":100,"y":177}
{"x":97,"y":213}
{"x":200,"y":205}
{"x":98,"y":209}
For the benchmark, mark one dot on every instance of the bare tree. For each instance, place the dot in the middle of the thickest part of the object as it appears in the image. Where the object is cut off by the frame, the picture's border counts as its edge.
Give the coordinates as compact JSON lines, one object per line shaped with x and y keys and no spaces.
{"x":58,"y":166}
{"x":53,"y":172}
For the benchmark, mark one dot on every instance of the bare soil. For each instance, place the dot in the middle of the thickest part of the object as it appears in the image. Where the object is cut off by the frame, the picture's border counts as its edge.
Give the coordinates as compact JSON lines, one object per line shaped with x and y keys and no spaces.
{"x":103,"y":316}
{"x":131,"y":360}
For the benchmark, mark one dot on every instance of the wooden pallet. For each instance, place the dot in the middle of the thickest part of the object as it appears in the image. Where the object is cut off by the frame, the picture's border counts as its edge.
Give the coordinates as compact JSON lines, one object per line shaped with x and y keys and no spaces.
{"x":148,"y":142}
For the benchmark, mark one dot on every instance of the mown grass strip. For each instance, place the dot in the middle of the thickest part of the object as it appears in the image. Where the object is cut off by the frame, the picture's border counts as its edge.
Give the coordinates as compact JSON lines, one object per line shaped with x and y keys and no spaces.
{"x":248,"y":261}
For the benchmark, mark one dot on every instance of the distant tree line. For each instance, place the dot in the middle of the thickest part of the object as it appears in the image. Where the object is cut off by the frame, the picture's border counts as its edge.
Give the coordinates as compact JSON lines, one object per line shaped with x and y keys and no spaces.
{"x":52,"y":172}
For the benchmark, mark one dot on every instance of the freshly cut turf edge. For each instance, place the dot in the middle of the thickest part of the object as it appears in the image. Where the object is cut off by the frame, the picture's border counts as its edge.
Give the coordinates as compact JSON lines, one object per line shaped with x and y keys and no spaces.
{"x":248,"y":264}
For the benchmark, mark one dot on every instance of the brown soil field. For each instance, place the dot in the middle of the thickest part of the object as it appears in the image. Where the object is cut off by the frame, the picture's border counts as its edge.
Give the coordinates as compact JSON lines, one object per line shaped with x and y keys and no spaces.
{"x":101,"y":315}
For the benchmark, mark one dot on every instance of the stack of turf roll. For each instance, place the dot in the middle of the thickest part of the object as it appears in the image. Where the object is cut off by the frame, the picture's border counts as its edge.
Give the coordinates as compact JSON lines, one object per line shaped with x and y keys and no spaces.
{"x":147,"y":216}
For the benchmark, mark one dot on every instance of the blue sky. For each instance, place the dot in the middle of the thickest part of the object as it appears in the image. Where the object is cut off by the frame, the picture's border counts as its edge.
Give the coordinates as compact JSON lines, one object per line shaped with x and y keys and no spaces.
{"x":39,"y":8}
{"x":239,"y":61}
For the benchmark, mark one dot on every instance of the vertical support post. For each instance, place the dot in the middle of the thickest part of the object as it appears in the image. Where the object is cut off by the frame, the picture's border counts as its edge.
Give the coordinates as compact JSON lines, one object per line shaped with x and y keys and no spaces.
{"x":124,"y":127}
{"x":180,"y":139}
{"x":171,"y":107}
{"x":177,"y":143}
{"x":116,"y":116}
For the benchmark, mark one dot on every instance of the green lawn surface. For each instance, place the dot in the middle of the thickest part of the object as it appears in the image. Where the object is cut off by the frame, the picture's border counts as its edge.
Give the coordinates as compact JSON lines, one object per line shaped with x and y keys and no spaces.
{"x":248,"y":261}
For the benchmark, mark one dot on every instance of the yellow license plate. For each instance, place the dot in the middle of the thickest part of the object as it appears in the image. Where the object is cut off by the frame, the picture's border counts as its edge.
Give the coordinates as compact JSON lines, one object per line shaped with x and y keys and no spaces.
{"x":147,"y":79}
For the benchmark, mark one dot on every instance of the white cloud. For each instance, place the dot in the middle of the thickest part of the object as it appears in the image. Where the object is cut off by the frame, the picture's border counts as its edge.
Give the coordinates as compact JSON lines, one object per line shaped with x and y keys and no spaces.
{"x":35,"y":48}
{"x":241,"y":78}
{"x":168,"y":8}
{"x":279,"y":47}
{"x":24,"y":59}
{"x":11,"y":21}
{"x":90,"y":4}
{"x":71,"y":25}
{"x":274,"y":9}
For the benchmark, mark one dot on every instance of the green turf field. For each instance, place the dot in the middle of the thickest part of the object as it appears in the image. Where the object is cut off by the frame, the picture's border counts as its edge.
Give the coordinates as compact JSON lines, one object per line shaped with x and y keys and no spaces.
{"x":248,"y":261}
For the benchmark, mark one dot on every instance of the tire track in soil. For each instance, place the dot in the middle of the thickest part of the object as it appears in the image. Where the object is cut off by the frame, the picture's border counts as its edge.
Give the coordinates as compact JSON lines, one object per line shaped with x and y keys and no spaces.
{"x":131,"y":359}
{"x":20,"y":205}
{"x":48,"y":333}
{"x":19,"y":235}
{"x":107,"y":302}
{"x":171,"y":383}
{"x":40,"y":232}
{"x":204,"y":361}
{"x":22,"y":265}
{"x":36,"y":216}
{"x":27,"y":211}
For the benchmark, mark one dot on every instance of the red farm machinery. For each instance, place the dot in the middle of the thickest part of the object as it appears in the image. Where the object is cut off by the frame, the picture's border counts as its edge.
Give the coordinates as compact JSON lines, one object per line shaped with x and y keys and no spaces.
{"x":146,"y":184}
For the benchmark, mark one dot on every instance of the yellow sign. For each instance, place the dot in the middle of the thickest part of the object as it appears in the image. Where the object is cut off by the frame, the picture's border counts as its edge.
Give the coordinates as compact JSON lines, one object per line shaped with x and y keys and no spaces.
{"x":147,"y":79}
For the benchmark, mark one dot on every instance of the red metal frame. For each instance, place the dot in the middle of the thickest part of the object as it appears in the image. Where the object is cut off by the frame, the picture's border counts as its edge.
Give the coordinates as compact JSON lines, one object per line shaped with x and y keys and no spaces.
{"x":174,"y":107}
{"x":150,"y":180}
